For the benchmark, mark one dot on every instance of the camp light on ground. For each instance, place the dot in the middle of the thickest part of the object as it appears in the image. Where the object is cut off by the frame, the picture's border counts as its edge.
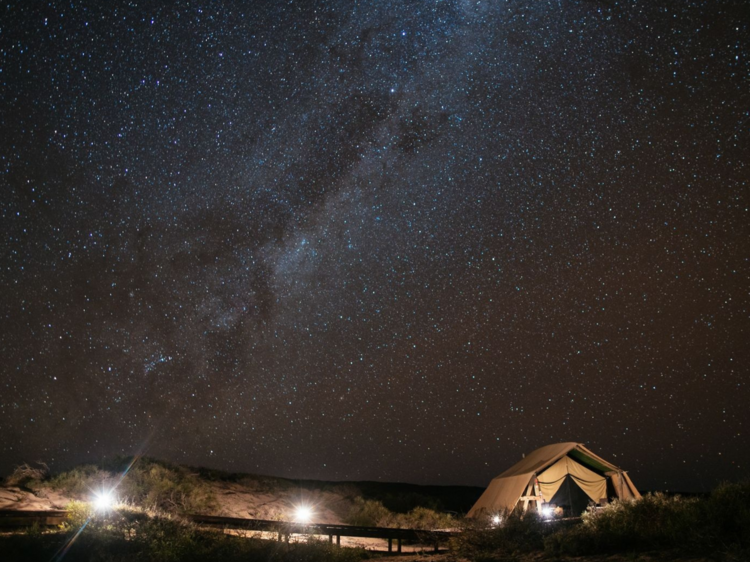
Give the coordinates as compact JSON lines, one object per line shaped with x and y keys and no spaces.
{"x":104,"y":500}
{"x":303,"y":514}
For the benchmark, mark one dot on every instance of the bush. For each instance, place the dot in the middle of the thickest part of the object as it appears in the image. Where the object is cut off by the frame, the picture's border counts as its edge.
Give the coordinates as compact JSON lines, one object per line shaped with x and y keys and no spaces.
{"x":423,"y":518}
{"x":164,"y":487}
{"x":372,"y":513}
{"x":78,"y":514}
{"x":369,"y":513}
{"x":78,"y":482}
{"x":719,"y":523}
{"x":25,"y":474}
{"x":154,"y":485}
{"x":519,"y":533}
{"x":726,"y":517}
{"x":655,"y":521}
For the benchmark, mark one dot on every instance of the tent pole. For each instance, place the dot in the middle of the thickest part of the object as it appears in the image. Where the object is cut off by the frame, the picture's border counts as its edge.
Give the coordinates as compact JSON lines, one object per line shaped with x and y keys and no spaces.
{"x":526,"y":495}
{"x":539,"y":496}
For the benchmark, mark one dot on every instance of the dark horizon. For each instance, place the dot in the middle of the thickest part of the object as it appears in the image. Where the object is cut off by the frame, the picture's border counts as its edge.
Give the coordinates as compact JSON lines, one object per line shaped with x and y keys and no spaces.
{"x":386,"y":241}
{"x":117,"y":463}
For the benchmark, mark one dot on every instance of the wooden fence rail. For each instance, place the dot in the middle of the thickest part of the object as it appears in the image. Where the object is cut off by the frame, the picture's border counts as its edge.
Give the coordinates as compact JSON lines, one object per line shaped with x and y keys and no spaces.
{"x":17,"y":518}
{"x":284,"y":529}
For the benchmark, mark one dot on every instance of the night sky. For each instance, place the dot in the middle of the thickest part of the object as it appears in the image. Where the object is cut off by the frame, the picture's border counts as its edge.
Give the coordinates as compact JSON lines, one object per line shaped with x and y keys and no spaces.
{"x":386,"y":240}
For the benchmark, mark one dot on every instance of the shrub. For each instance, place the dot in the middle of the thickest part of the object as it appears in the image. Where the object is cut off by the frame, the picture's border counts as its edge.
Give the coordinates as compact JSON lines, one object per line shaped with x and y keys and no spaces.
{"x":78,"y":514}
{"x":80,"y":481}
{"x":369,"y":513}
{"x":151,"y":484}
{"x":725,"y":516}
{"x":719,"y":523}
{"x":164,"y":487}
{"x":519,"y":533}
{"x":34,"y":531}
{"x":423,"y":518}
{"x":26,"y":474}
{"x":655,"y":521}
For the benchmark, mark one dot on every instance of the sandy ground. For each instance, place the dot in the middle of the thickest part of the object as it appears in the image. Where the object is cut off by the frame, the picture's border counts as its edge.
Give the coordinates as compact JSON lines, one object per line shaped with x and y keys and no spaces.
{"x":238,"y":500}
{"x":235,"y":499}
{"x":15,"y":498}
{"x":376,"y":545}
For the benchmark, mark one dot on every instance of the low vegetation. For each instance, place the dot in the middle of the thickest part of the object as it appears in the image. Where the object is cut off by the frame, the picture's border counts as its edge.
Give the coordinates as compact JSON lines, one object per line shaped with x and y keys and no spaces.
{"x":372,"y":513}
{"x":167,"y":488}
{"x":719,"y":522}
{"x":519,"y":533}
{"x":151,"y":484}
{"x":25,"y":474}
{"x":132,"y":534}
{"x":715,"y":525}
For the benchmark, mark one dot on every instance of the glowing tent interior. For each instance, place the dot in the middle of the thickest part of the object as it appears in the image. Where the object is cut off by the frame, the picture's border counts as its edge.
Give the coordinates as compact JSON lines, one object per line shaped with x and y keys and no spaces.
{"x":563,"y":474}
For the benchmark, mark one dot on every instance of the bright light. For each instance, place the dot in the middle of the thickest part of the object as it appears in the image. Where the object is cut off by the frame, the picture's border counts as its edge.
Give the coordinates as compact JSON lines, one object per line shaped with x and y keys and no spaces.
{"x":303,"y":514}
{"x":496,"y":520}
{"x":104,"y":501}
{"x":547,"y":512}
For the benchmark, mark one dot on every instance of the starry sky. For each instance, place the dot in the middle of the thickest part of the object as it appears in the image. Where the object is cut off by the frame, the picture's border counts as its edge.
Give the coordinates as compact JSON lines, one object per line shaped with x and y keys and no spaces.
{"x":385,"y":240}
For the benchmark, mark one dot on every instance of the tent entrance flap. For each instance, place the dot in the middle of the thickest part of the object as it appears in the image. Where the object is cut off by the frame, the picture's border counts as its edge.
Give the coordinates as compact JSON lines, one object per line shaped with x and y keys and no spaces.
{"x":592,"y":484}
{"x":571,"y":497}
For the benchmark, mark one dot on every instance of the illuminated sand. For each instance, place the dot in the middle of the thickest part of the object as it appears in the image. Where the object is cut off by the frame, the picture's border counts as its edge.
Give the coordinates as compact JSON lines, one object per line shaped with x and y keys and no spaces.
{"x":244,"y":500}
{"x":379,"y":545}
{"x":15,"y":498}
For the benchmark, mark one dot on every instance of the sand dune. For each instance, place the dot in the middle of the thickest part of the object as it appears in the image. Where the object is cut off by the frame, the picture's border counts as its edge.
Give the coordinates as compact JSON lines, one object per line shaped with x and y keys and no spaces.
{"x":235,"y":500}
{"x":15,"y":498}
{"x":238,"y":500}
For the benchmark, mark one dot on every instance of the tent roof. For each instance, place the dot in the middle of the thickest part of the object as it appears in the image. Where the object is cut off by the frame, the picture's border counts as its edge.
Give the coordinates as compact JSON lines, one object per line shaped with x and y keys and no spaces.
{"x":545,"y":456}
{"x":539,"y":459}
{"x":505,"y":489}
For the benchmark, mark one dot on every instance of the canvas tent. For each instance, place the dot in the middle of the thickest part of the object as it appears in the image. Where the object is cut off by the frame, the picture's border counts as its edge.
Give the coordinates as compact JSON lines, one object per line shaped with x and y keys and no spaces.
{"x":562,"y":474}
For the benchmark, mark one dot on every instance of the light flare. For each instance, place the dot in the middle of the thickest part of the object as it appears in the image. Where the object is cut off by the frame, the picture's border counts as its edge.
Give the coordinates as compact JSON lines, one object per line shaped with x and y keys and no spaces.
{"x":104,"y":500}
{"x":303,"y":514}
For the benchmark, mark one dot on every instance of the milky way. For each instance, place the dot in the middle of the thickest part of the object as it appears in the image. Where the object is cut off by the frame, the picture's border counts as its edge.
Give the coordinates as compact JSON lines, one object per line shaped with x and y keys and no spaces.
{"x":376,"y":239}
